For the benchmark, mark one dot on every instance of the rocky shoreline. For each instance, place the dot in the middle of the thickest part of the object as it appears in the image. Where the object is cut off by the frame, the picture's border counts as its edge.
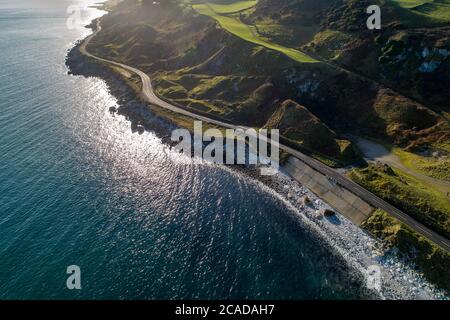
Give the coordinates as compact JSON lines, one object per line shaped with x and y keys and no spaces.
{"x":351,"y":242}
{"x":138,"y":112}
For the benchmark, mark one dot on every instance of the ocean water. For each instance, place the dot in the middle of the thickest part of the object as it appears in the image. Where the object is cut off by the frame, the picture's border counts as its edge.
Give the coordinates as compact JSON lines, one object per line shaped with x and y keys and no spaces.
{"x":78,"y":187}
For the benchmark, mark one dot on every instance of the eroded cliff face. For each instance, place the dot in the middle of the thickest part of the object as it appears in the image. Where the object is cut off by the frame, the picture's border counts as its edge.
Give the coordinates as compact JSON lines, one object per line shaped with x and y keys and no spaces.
{"x":410,"y":54}
{"x":417,"y":60}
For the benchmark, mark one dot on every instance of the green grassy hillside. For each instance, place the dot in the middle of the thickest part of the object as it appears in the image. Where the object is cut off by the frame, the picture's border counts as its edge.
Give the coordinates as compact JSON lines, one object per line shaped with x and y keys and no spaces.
{"x":430,"y":207}
{"x":432,"y":260}
{"x":409,"y":4}
{"x":232,"y":7}
{"x":244,"y":31}
{"x":218,"y":70}
{"x":302,"y":128}
{"x":436,"y":9}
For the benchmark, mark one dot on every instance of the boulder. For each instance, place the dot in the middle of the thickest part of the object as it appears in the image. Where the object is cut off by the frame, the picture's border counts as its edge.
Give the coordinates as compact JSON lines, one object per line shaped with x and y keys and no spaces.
{"x":329,"y":213}
{"x":306,"y":201}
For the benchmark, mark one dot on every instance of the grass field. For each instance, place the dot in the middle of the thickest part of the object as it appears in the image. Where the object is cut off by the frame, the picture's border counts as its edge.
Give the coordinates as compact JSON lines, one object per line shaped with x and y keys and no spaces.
{"x":407,"y":193}
{"x":436,"y":9}
{"x":412,"y":3}
{"x":233,"y":7}
{"x":430,"y":166}
{"x":247,"y":32}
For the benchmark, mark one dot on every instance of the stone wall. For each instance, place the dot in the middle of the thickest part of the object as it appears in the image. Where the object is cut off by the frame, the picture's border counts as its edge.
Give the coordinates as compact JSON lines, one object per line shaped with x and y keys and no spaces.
{"x":337,"y":197}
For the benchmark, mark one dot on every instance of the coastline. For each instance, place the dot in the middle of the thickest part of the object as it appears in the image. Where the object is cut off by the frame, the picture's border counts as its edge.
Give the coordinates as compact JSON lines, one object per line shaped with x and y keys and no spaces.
{"x":135,"y":110}
{"x":140,"y":114}
{"x":342,"y":193}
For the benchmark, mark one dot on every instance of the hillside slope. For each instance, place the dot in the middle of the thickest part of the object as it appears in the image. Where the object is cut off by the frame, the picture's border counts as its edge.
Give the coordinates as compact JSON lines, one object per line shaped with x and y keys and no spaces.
{"x":206,"y":68}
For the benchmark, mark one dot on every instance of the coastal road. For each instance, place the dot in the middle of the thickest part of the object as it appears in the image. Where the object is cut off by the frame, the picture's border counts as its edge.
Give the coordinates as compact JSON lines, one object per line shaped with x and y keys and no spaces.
{"x":149,"y":95}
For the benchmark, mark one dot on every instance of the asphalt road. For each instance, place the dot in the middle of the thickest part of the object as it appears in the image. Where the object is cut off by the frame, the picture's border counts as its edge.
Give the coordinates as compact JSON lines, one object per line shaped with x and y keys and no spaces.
{"x":149,"y":95}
